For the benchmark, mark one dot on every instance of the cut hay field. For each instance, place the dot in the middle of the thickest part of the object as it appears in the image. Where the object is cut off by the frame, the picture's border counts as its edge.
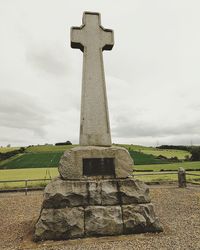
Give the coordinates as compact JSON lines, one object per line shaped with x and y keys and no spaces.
{"x":48,"y":148}
{"x":26,"y":174}
{"x":167,"y":177}
{"x":8,"y":149}
{"x":192,"y":165}
{"x":46,"y":173}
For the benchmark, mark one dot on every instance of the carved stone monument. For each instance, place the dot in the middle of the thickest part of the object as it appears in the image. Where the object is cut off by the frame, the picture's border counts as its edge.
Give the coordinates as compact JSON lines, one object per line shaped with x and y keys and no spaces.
{"x":95,"y":194}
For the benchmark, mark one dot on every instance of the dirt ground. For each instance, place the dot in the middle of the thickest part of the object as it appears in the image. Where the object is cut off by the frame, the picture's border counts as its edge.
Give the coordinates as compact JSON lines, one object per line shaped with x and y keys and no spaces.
{"x":178,"y":210}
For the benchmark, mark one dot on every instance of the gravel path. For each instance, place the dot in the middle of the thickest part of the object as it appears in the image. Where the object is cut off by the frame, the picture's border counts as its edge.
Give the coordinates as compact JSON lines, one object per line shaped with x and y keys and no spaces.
{"x":178,"y":210}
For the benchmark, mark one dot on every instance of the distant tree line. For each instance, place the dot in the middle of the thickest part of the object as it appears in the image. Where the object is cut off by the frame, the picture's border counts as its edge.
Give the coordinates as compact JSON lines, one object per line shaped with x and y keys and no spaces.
{"x":177,"y":147}
{"x":6,"y":155}
{"x":194,"y":150}
{"x":63,"y":143}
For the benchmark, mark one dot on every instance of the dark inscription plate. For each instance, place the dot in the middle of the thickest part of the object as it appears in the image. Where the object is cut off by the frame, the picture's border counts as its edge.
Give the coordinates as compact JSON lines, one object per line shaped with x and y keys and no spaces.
{"x":98,"y":166}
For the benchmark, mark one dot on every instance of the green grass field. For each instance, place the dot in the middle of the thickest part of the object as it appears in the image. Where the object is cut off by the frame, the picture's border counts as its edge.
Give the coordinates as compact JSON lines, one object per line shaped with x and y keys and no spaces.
{"x":180,"y":154}
{"x":49,"y":156}
{"x":193,"y":165}
{"x":48,"y":148}
{"x":33,"y":160}
{"x":167,"y":177}
{"x":7,"y":149}
{"x":40,"y":162}
{"x":46,"y":173}
{"x":24,"y":174}
{"x":51,"y":159}
{"x":141,"y":158}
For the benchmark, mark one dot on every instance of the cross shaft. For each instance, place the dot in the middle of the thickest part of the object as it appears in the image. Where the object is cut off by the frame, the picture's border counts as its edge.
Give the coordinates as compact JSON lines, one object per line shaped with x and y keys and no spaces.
{"x":91,"y":38}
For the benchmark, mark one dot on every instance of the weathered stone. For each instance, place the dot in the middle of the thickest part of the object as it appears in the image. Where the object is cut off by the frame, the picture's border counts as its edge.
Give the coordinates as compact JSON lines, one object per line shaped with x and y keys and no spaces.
{"x":103,"y":192}
{"x":68,"y":193}
{"x":71,"y":163}
{"x":140,"y":218}
{"x":109,"y":192}
{"x":92,"y":38}
{"x":62,"y":193}
{"x":103,"y":220}
{"x":182,"y":178}
{"x":133,"y":191}
{"x":57,"y":224}
{"x":94,"y":189}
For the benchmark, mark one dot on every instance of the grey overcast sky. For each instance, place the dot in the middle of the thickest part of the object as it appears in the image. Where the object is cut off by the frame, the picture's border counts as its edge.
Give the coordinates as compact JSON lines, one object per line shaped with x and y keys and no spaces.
{"x":152,"y":73}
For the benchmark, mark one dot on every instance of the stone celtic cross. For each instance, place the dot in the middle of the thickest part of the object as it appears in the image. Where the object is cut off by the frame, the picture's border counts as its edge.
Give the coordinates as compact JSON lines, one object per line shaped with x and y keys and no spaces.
{"x":95,"y":194}
{"x":91,"y":38}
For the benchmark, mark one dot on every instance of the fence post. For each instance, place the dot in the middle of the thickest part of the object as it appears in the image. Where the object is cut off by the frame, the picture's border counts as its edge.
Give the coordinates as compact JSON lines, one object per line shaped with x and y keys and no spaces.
{"x":26,"y":187}
{"x":181,"y":178}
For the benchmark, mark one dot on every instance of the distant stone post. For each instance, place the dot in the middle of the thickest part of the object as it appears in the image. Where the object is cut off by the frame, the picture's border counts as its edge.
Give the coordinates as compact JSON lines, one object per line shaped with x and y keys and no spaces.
{"x":181,"y":178}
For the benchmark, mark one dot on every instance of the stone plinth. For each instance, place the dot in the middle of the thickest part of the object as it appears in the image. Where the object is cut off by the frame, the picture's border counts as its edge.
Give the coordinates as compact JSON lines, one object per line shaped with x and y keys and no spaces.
{"x":71,"y":163}
{"x":81,"y":208}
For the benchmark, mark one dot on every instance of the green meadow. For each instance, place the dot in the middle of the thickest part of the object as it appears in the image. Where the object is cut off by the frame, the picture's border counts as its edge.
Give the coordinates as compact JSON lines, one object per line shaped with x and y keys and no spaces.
{"x":26,"y":174}
{"x":191,"y":165}
{"x":47,"y":173}
{"x":33,"y":160}
{"x":167,"y":177}
{"x":41,"y":162}
{"x":49,"y":156}
{"x":168,"y":153}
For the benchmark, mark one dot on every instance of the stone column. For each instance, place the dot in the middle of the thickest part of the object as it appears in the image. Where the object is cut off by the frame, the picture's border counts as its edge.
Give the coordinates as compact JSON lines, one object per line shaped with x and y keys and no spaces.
{"x":91,"y":38}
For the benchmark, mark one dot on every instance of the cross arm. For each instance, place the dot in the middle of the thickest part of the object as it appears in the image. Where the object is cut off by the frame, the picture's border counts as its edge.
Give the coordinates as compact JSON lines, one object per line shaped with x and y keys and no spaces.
{"x":76,"y":38}
{"x":109,"y":38}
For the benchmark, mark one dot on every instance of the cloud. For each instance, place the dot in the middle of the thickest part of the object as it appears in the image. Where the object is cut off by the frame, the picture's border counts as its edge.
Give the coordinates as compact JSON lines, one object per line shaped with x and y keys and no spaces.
{"x":152,"y":73}
{"x":21,"y":111}
{"x":47,"y":58}
{"x":148,"y":129}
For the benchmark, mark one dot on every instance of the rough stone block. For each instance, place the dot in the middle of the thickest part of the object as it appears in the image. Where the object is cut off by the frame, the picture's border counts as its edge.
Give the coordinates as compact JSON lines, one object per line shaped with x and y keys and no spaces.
{"x":103,"y":220}
{"x":140,"y":219}
{"x":103,"y":192}
{"x":94,"y":196}
{"x":109,"y":192}
{"x":57,"y":224}
{"x":133,"y":191}
{"x":71,"y":163}
{"x":62,"y":193}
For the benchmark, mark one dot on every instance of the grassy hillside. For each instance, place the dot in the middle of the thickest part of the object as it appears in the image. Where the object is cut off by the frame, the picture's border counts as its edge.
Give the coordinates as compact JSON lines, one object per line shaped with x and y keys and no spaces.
{"x":49,"y":156}
{"x":33,"y":160}
{"x":48,"y":148}
{"x":142,"y":158}
{"x":180,"y":154}
{"x":7,"y":149}
{"x":51,"y":159}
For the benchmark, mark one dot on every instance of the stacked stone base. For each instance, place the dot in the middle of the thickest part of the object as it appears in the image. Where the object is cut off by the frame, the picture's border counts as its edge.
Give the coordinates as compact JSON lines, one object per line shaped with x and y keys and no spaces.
{"x":83,"y":208}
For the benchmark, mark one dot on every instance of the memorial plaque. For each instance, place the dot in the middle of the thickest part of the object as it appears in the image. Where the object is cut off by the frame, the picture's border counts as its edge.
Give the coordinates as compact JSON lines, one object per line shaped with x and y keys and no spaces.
{"x":98,"y":167}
